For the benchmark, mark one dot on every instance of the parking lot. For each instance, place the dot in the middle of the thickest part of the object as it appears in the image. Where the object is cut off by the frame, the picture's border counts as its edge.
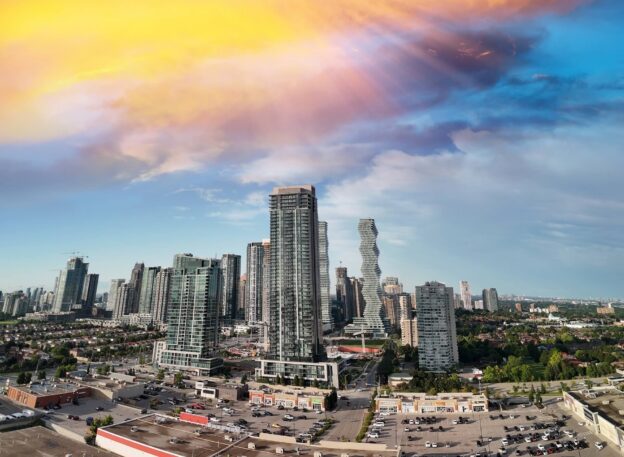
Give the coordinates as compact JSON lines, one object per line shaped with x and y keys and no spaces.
{"x":446,"y":437}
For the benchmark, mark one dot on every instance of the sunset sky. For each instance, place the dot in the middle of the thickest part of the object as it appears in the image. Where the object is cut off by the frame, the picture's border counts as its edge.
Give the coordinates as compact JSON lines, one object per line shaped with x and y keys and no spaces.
{"x":484,"y":136}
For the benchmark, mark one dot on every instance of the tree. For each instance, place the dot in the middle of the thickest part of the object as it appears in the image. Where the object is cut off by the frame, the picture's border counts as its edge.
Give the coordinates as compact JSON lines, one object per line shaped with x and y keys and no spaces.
{"x":41,"y":374}
{"x":178,"y":380}
{"x":244,"y":379}
{"x":160,"y":375}
{"x":538,"y":398}
{"x":24,"y":378}
{"x":296,"y":380}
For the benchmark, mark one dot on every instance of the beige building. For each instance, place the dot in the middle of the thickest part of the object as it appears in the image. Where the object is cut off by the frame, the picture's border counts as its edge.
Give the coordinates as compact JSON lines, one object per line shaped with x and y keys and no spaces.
{"x":600,"y":410}
{"x":409,"y":332}
{"x":421,"y":403}
{"x":605,"y":310}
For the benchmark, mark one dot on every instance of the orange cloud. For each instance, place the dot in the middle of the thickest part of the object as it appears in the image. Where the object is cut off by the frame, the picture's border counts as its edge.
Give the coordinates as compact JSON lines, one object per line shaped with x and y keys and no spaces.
{"x":176,"y":75}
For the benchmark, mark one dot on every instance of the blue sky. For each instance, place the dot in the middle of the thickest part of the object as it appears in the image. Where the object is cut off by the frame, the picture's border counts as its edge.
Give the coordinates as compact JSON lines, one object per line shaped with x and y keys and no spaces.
{"x":487,"y":145}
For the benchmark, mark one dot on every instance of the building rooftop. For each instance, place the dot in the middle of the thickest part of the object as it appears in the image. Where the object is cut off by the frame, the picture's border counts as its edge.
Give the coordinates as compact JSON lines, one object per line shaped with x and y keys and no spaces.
{"x":212,"y":441}
{"x":39,"y":441}
{"x":607,"y":402}
{"x":43,"y":388}
{"x":158,"y":435}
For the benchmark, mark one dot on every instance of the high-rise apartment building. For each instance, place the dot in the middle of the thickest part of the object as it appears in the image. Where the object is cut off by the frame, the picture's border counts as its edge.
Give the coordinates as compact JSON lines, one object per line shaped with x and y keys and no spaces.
{"x":255,"y":281}
{"x":358,"y":299}
{"x":344,"y":293}
{"x":89,"y":291}
{"x":374,"y":319}
{"x":111,"y":305}
{"x":241,"y":306}
{"x":295,"y":315}
{"x":136,"y":280}
{"x":437,"y":336}
{"x":294,"y":326}
{"x":405,"y":306}
{"x":409,"y":332}
{"x":392,"y":286}
{"x":148,"y":289}
{"x":160,"y":295}
{"x":266,"y":291}
{"x":490,"y":299}
{"x":323,"y":244}
{"x":466,"y":295}
{"x":392,"y":310}
{"x":193,"y":315}
{"x":68,"y":291}
{"x":230,"y":277}
{"x":124,"y":300}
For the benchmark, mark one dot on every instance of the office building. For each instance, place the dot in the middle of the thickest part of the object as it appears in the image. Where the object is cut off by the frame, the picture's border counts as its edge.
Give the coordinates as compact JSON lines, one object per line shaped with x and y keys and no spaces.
{"x":89,"y":291}
{"x":490,"y":300}
{"x":374,"y":320}
{"x":230,"y":277}
{"x":323,"y":244}
{"x":477,"y":304}
{"x":160,"y":295}
{"x":294,"y":330}
{"x":193,"y":316}
{"x":344,"y":293}
{"x":466,"y":295}
{"x":68,"y":291}
{"x":437,"y":336}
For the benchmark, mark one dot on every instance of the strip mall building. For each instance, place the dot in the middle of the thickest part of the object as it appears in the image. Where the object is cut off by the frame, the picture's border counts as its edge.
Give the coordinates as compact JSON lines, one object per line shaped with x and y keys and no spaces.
{"x":288,"y":399}
{"x":421,"y":403}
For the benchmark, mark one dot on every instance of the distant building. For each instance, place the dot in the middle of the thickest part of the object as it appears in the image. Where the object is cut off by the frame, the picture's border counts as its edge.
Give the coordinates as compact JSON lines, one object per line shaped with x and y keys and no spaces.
{"x":89,"y":291}
{"x":323,"y":244}
{"x":136,"y":280}
{"x":68,"y":291}
{"x":409,"y":332}
{"x":605,"y":310}
{"x":478,"y":304}
{"x":392,"y":286}
{"x":518,"y":307}
{"x":490,"y":299}
{"x":111,"y":305}
{"x":124,"y":300}
{"x":148,"y":290}
{"x":374,"y":319}
{"x":405,"y":306}
{"x":230,"y":277}
{"x":255,"y":281}
{"x":344,"y":293}
{"x":242,"y":297}
{"x":392,"y":310}
{"x":466,"y":295}
{"x":161,"y":294}
{"x":437,"y":336}
{"x":358,"y":299}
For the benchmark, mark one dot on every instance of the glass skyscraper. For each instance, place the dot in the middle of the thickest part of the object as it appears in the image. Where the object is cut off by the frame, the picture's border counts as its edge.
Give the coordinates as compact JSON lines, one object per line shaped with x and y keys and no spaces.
{"x":295,"y":303}
{"x":326,"y":311}
{"x":69,"y":285}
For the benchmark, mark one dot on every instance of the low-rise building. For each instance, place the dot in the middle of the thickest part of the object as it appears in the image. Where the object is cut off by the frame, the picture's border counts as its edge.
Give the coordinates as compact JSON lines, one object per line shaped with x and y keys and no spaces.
{"x":209,"y":389}
{"x":397,"y":379}
{"x":422,"y":403}
{"x":289,"y":399}
{"x":323,"y":372}
{"x":600,"y":409}
{"x":43,"y":393}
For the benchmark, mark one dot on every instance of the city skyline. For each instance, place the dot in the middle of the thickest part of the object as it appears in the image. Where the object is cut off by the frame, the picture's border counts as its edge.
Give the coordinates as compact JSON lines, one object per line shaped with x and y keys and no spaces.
{"x":482,"y":136}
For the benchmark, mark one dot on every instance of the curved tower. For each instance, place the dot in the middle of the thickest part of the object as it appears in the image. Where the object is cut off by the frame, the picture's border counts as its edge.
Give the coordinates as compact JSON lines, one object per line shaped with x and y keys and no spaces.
{"x":374,"y":319}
